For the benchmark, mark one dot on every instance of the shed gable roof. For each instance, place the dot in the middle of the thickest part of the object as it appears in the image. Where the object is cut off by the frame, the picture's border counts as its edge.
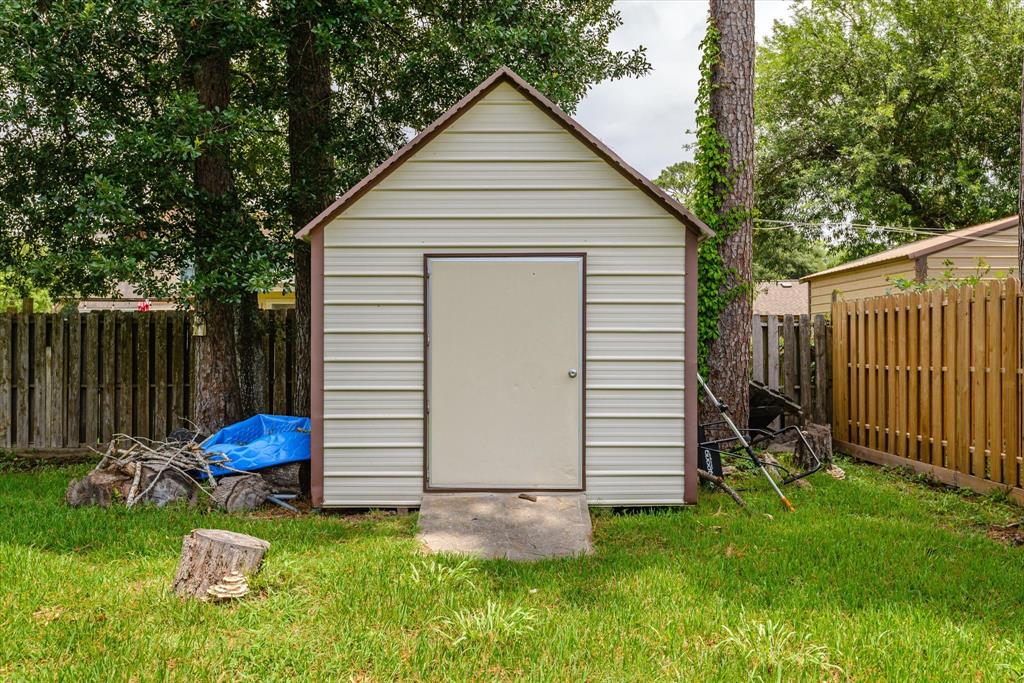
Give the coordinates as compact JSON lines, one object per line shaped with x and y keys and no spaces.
{"x":925,"y":247}
{"x":506,"y":75}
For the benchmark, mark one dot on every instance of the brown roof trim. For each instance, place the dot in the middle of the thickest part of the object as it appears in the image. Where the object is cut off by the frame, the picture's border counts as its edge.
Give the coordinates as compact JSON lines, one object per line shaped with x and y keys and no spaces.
{"x":980,"y":230}
{"x":506,"y":75}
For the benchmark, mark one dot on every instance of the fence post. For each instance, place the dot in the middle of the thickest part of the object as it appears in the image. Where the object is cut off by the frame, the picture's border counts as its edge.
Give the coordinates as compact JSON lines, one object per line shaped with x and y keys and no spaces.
{"x":72,"y":423}
{"x":821,"y":371}
{"x":6,"y":414}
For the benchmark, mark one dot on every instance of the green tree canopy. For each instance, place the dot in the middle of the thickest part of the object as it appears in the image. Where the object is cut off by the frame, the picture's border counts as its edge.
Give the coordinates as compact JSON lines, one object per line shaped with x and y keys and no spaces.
{"x":102,"y":125}
{"x":892,"y":113}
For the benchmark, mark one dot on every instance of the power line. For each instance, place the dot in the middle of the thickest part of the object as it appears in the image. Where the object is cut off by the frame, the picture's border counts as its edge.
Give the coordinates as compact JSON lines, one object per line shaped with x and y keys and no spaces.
{"x":782,"y":225}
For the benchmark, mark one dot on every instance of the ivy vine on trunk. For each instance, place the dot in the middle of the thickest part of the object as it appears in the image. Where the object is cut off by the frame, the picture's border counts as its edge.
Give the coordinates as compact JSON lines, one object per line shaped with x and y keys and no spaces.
{"x":722,"y":197}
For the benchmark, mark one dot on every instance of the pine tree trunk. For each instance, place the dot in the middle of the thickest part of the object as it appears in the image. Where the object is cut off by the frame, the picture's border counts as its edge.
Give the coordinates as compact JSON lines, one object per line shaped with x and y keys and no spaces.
{"x":732,"y":106}
{"x":215,"y":376}
{"x":1020,"y":196}
{"x":311,"y":167}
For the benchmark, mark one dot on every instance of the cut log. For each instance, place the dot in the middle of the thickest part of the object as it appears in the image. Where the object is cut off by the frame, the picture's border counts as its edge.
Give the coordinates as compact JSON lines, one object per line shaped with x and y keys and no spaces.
{"x":292,"y":477}
{"x":819,"y":438}
{"x":99,"y":487}
{"x":208,"y":556}
{"x":131,"y":483}
{"x":241,"y":493}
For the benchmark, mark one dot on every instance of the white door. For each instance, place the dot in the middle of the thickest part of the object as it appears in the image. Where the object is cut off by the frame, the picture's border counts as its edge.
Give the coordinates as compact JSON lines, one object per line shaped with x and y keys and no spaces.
{"x":505,"y":372}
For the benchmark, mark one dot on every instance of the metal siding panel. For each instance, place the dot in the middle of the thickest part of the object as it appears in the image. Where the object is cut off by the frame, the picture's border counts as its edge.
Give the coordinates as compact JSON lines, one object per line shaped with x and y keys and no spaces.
{"x":365,"y":403}
{"x":602,"y":227}
{"x":504,"y":113}
{"x":653,"y":374}
{"x":634,"y":402}
{"x":498,"y":204}
{"x":408,"y":261}
{"x":373,"y":375}
{"x":634,"y":344}
{"x":345,"y":318}
{"x":367,"y":345}
{"x":373,"y":289}
{"x":471,"y":175}
{"x":497,"y":147}
{"x":650,"y":287}
{"x":633,"y":430}
{"x":373,"y":432}
{"x":667,"y":317}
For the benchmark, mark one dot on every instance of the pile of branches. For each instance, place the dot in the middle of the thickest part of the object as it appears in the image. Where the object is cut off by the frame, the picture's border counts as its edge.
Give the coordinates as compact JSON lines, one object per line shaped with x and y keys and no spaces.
{"x":137,"y":470}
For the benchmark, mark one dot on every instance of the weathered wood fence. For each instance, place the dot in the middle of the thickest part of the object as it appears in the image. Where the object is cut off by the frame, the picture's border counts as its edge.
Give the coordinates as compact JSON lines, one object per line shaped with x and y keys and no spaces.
{"x":791,"y":355}
{"x":934,"y":381}
{"x":73,"y":380}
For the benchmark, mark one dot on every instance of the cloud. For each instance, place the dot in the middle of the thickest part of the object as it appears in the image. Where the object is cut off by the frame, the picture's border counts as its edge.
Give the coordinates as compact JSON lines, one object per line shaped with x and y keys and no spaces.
{"x":646,"y":120}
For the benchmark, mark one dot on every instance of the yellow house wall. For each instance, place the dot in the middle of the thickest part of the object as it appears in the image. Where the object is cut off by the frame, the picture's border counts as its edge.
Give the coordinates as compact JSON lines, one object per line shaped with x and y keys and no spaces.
{"x":998,"y":250}
{"x":857,"y":283}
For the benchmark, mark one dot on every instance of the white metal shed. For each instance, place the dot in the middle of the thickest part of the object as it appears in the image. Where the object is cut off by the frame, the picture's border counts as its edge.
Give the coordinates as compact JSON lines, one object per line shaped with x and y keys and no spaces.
{"x":504,"y":304}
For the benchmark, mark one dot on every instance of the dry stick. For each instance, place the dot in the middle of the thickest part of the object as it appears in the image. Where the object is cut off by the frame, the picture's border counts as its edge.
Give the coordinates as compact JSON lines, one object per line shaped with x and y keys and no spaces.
{"x":720,"y":483}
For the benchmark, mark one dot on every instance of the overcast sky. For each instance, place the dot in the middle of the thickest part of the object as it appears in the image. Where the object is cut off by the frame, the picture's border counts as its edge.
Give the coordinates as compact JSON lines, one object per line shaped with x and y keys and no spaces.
{"x":645,"y":120}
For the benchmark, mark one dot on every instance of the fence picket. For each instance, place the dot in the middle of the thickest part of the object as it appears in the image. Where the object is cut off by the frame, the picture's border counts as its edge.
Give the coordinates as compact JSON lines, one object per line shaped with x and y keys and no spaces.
{"x":821,"y":366}
{"x":1008,"y":377}
{"x":935,"y":377}
{"x":804,"y":362}
{"x":107,"y":366}
{"x":6,"y":414}
{"x":92,"y":383}
{"x":73,"y":420}
{"x":23,"y":431}
{"x":757,"y":344}
{"x":949,"y":337}
{"x":38,"y":378}
{"x":6,"y":374}
{"x":143,"y":417}
{"x":55,"y":388}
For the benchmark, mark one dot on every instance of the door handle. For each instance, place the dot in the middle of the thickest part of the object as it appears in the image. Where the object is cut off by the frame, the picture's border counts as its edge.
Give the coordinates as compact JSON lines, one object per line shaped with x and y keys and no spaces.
{"x":572,"y":372}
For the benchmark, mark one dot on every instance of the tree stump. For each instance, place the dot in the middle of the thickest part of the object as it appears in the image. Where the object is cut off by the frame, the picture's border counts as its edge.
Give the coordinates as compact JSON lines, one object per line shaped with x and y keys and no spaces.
{"x":209,"y":555}
{"x":241,"y":493}
{"x":819,"y":438}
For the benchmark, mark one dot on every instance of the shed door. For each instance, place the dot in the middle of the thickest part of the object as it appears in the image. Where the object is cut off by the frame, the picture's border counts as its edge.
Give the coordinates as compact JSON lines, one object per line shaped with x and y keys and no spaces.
{"x":505,"y":372}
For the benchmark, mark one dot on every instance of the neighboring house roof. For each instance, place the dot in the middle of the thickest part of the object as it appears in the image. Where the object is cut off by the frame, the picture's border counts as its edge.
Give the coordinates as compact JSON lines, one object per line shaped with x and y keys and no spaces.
{"x":782,"y":297}
{"x":924,"y":247}
{"x":506,"y":75}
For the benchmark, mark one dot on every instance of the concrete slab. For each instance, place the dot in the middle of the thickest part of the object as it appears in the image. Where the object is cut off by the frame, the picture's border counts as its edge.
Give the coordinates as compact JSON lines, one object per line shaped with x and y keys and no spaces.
{"x":503,"y":525}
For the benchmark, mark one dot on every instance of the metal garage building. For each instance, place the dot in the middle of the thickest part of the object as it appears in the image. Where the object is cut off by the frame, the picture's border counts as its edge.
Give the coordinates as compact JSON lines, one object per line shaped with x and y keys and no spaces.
{"x":504,"y":304}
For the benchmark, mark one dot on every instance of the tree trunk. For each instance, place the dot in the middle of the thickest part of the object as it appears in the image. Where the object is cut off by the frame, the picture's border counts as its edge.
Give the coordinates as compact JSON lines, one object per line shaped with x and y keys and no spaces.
{"x":732,"y":106}
{"x":209,"y":555}
{"x":311,"y":166}
{"x":215,"y":400}
{"x":251,"y":360}
{"x":215,"y":375}
{"x":1020,"y":195}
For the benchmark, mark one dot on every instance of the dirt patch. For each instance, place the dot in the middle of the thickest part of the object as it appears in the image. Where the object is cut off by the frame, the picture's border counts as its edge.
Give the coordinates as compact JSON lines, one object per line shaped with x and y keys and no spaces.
{"x":1007,"y":534}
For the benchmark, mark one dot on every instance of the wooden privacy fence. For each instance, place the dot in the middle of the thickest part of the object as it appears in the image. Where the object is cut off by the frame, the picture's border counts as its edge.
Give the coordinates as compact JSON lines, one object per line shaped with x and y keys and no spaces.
{"x":74,"y":380}
{"x":933,"y":380}
{"x":791,"y":355}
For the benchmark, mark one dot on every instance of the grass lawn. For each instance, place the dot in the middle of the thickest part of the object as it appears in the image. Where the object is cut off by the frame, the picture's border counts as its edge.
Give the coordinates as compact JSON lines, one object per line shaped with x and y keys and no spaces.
{"x":876,"y":577}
